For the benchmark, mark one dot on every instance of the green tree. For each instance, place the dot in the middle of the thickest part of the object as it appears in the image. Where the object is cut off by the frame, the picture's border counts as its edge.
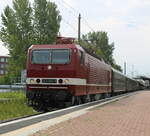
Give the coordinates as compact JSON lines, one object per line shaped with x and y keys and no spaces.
{"x":98,"y":42}
{"x":46,"y":21}
{"x":23,"y":26}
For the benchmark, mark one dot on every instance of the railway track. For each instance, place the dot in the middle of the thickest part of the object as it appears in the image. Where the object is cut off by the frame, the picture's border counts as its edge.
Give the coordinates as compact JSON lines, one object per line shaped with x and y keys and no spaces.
{"x":15,"y":124}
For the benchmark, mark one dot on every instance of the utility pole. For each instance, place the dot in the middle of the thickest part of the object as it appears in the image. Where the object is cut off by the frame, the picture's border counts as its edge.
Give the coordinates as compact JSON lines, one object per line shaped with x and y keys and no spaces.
{"x":125,"y":66}
{"x":79,"y":27}
{"x":132,"y":73}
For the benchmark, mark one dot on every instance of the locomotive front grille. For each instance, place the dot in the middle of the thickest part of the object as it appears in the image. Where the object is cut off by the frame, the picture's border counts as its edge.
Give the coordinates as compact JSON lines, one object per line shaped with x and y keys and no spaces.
{"x":49,"y":80}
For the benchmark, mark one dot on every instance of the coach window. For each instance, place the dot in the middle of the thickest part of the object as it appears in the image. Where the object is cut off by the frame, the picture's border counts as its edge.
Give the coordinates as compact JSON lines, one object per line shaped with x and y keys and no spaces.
{"x":81,"y":57}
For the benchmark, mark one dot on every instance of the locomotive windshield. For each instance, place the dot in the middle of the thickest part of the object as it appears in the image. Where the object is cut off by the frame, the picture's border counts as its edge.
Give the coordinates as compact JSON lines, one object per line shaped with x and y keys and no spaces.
{"x":52,"y":56}
{"x":60,"y":56}
{"x":41,"y":57}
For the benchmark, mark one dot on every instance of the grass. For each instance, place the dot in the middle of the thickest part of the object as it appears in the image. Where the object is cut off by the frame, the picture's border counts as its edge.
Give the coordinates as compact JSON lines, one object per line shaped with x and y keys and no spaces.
{"x":13,"y":105}
{"x":12,"y":95}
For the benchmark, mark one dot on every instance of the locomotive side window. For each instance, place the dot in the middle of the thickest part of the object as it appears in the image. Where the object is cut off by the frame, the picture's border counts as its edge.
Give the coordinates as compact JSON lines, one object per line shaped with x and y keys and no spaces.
{"x":60,"y":56}
{"x":41,"y":57}
{"x":81,"y":57}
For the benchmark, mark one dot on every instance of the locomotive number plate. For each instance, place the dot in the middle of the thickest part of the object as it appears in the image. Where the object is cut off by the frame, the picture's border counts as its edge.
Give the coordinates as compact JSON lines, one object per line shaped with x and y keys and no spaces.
{"x":49,"y":80}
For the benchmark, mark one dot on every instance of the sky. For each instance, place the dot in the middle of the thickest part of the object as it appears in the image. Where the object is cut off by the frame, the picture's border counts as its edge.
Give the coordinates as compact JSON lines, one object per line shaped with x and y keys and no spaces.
{"x":127,"y":23}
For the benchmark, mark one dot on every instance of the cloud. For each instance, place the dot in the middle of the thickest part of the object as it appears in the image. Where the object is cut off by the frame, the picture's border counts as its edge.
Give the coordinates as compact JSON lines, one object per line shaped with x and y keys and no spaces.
{"x":132,"y":42}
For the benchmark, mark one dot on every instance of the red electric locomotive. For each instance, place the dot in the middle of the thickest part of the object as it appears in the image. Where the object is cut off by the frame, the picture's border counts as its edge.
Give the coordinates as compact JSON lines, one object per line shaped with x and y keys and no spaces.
{"x":64,"y":73}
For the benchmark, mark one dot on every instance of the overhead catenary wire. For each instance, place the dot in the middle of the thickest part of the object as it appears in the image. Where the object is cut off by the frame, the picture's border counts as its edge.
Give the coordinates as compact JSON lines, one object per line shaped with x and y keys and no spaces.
{"x":71,"y":10}
{"x":86,"y":22}
{"x":78,"y":12}
{"x":70,"y":7}
{"x":64,"y":19}
{"x":67,"y":8}
{"x":66,"y":22}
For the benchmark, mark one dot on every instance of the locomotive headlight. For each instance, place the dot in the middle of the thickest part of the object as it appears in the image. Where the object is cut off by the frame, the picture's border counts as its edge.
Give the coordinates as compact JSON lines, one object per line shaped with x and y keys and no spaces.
{"x":31,"y":81}
{"x":66,"y":81}
{"x":60,"y":81}
{"x":38,"y":80}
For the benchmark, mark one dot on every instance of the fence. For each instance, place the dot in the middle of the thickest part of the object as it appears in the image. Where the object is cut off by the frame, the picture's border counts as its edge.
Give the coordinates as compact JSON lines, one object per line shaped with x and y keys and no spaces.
{"x":16,"y":84}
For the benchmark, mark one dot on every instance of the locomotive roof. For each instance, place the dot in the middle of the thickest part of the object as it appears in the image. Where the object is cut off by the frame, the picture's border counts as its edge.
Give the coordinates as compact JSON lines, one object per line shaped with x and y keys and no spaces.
{"x":49,"y":46}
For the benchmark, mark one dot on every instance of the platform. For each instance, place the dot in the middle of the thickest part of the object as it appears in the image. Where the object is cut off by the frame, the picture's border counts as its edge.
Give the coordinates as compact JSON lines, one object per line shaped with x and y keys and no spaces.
{"x":127,"y":117}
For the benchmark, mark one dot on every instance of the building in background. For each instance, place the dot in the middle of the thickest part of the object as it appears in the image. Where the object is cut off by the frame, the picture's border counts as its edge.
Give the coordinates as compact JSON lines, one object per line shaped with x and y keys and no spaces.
{"x":3,"y":65}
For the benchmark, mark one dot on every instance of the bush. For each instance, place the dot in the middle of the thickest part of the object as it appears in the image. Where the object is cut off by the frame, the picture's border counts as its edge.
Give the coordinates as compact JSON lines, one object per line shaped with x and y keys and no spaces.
{"x":5,"y":80}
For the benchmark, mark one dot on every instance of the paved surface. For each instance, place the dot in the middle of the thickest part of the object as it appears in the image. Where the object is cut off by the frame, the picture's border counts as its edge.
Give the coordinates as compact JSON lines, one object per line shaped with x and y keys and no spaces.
{"x":30,"y":125}
{"x":126,"y":117}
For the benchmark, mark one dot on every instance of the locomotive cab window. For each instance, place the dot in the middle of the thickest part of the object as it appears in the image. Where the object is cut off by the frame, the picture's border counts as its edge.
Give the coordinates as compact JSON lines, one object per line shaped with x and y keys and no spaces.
{"x":81,"y":57}
{"x":52,"y":56}
{"x":60,"y":56}
{"x":41,"y":57}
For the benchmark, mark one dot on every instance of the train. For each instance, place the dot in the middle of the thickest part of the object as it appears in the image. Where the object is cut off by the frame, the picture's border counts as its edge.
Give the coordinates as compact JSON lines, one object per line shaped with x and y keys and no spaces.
{"x":65,"y":73}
